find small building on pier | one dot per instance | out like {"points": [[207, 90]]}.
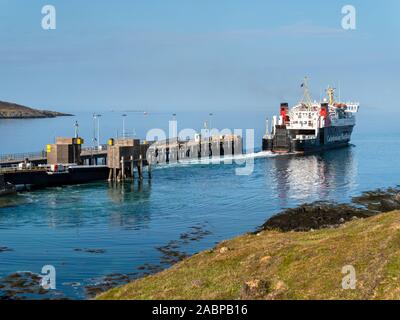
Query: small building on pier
{"points": [[65, 151]]}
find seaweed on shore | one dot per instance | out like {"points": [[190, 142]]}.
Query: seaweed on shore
{"points": [[314, 216], [171, 253], [379, 200], [25, 285], [108, 282], [196, 234], [320, 215]]}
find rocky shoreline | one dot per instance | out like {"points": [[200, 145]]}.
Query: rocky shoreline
{"points": [[297, 254], [320, 215], [15, 111], [302, 220], [276, 244]]}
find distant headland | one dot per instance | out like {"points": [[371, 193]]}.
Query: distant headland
{"points": [[15, 111]]}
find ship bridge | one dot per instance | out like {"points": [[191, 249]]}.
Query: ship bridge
{"points": [[304, 118]]}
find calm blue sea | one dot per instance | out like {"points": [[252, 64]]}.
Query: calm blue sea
{"points": [[128, 223]]}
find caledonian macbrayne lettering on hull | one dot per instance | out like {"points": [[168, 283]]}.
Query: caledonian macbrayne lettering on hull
{"points": [[311, 126]]}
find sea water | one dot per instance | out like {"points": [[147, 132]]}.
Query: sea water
{"points": [[90, 231]]}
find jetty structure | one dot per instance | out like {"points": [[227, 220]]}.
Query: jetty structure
{"points": [[213, 146], [67, 161]]}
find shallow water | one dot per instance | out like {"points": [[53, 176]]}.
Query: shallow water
{"points": [[90, 231]]}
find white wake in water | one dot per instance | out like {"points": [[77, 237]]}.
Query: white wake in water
{"points": [[238, 159]]}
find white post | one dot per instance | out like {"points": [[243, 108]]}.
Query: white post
{"points": [[274, 121], [98, 131]]}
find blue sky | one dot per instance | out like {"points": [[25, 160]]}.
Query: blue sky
{"points": [[193, 55]]}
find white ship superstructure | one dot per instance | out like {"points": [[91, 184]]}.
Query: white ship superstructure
{"points": [[312, 126]]}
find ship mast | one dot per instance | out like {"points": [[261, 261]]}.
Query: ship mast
{"points": [[331, 94], [306, 99]]}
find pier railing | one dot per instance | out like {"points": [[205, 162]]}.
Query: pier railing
{"points": [[22, 156], [13, 159], [100, 148]]}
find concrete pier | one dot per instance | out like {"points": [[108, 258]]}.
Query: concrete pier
{"points": [[174, 150], [67, 162], [123, 155]]}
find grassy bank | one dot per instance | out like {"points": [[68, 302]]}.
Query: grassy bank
{"points": [[292, 265]]}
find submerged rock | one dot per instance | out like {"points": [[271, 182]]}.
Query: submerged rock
{"points": [[171, 254], [196, 233], [95, 251], [25, 285], [108, 282]]}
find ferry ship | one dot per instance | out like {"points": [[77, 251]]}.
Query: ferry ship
{"points": [[311, 126]]}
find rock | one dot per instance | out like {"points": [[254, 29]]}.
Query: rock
{"points": [[387, 205], [380, 200], [278, 290], [72, 284], [25, 285], [197, 283], [95, 251], [107, 282], [313, 216], [265, 259], [253, 284], [171, 254], [254, 289], [223, 250]]}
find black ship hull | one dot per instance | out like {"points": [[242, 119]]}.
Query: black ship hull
{"points": [[327, 138]]}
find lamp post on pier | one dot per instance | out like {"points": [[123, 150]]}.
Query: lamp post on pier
{"points": [[94, 130], [98, 130], [123, 125], [209, 122]]}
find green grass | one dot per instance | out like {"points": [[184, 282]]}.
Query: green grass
{"points": [[304, 265]]}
